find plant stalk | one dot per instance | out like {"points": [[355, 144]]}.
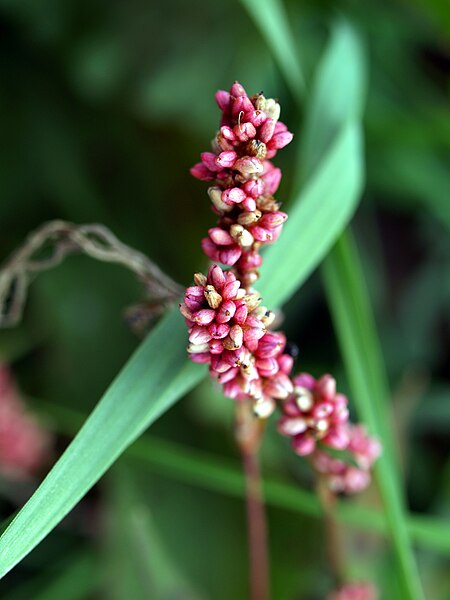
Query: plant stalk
{"points": [[248, 432]]}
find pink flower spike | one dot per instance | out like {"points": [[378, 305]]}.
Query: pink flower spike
{"points": [[220, 236], [200, 171]]}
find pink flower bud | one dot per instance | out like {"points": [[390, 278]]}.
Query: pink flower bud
{"points": [[250, 260], [229, 255], [267, 367], [272, 180], [228, 375], [219, 365], [244, 132], [249, 204], [241, 104], [218, 330], [326, 387], [280, 140], [254, 188], [202, 358], [209, 160], [261, 234], [216, 277], [292, 426], [200, 171], [266, 130], [241, 314], [223, 100], [226, 311], [285, 363], [255, 117], [305, 380], [270, 345], [233, 195], [205, 316], [230, 289], [303, 444], [227, 133], [273, 219], [216, 347], [279, 386], [237, 90], [210, 249], [199, 335], [249, 166], [226, 160], [220, 236], [337, 438]]}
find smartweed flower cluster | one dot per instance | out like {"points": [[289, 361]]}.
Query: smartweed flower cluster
{"points": [[229, 326]]}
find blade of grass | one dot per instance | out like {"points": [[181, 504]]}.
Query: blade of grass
{"points": [[216, 474], [349, 304], [272, 20]]}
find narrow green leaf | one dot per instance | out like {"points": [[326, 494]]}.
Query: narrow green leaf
{"points": [[350, 307], [156, 375], [270, 17], [318, 216], [337, 95]]}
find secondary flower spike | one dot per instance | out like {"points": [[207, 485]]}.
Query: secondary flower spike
{"points": [[244, 180]]}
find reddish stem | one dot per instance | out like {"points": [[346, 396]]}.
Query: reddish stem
{"points": [[248, 436]]}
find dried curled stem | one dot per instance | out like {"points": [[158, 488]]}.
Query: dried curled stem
{"points": [[63, 238]]}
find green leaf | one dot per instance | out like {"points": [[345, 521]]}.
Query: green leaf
{"points": [[155, 377], [272, 20], [337, 96]]}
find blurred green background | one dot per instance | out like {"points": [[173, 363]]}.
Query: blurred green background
{"points": [[103, 109]]}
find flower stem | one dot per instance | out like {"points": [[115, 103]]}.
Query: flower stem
{"points": [[248, 433], [334, 544]]}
